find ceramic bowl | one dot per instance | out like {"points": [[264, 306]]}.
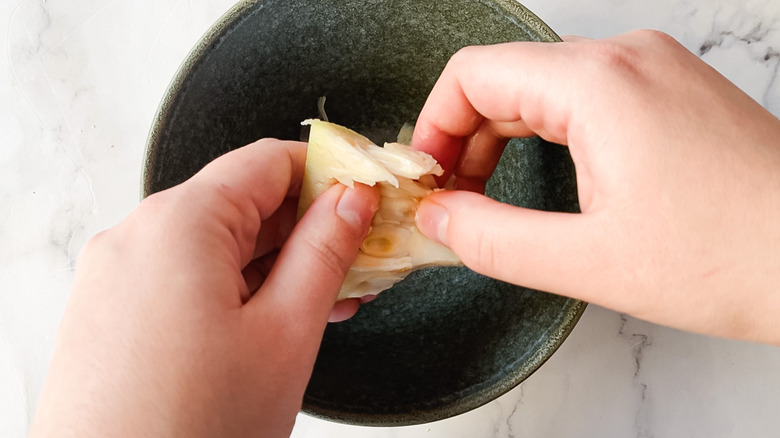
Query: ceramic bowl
{"points": [[445, 340]]}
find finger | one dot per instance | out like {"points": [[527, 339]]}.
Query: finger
{"points": [[554, 252], [275, 230], [244, 187], [315, 259], [516, 92], [256, 272], [344, 309], [367, 298], [479, 157]]}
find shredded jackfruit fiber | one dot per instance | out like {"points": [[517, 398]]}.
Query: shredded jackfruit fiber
{"points": [[394, 247]]}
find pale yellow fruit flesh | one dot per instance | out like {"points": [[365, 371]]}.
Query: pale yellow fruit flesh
{"points": [[394, 247]]}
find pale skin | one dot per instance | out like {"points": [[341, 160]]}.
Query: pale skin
{"points": [[184, 322], [194, 317], [678, 175]]}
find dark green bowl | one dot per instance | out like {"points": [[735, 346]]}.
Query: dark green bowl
{"points": [[445, 340]]}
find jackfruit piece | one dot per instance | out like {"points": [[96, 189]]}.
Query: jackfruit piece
{"points": [[394, 247]]}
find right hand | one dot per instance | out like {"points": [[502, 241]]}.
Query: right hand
{"points": [[678, 175]]}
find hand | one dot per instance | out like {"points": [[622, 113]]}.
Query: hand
{"points": [[187, 320], [678, 176]]}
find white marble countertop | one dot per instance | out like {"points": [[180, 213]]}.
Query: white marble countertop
{"points": [[80, 82]]}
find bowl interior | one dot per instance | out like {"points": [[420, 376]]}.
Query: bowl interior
{"points": [[445, 340]]}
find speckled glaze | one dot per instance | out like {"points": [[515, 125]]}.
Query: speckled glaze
{"points": [[446, 340]]}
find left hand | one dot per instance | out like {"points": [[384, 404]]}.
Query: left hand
{"points": [[201, 314]]}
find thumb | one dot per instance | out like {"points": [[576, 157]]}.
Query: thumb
{"points": [[310, 269], [536, 249]]}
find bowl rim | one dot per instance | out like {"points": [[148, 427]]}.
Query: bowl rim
{"points": [[466, 403], [526, 20], [191, 60]]}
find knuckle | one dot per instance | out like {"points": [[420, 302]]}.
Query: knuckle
{"points": [[487, 253], [628, 55], [327, 255], [482, 251], [153, 206], [154, 214], [463, 56], [97, 243], [615, 58], [100, 248], [654, 37]]}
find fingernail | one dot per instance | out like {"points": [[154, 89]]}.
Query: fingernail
{"points": [[354, 208], [433, 220]]}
